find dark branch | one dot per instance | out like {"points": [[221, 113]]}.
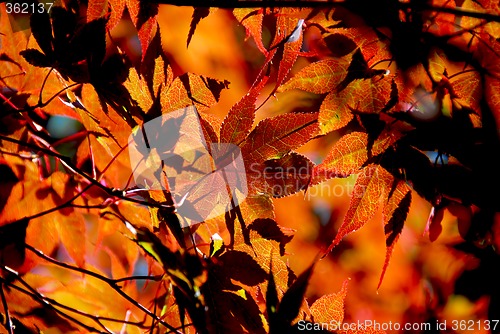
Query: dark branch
{"points": [[305, 4], [249, 3]]}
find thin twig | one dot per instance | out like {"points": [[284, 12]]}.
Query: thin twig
{"points": [[41, 299], [43, 86], [67, 163], [111, 282], [8, 320]]}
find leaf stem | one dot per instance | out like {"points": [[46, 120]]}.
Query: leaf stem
{"points": [[43, 86]]}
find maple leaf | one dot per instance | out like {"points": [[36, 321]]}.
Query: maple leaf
{"points": [[252, 208], [248, 265], [78, 52], [264, 247], [330, 308], [270, 230], [239, 121], [319, 77], [274, 137], [285, 46], [280, 177], [108, 135], [199, 14], [101, 8], [64, 46], [288, 41], [22, 82], [190, 88], [350, 153], [371, 184], [234, 310], [488, 55], [351, 86], [282, 313], [252, 21], [143, 15], [395, 212], [185, 271], [35, 202], [138, 90], [468, 22], [335, 111], [268, 240], [362, 37], [467, 91]]}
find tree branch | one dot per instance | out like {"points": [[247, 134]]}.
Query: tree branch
{"points": [[326, 3]]}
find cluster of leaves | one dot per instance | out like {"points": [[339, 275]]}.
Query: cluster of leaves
{"points": [[406, 80]]}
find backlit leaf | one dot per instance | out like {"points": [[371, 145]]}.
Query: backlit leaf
{"points": [[437, 65], [334, 113], [371, 184], [263, 250], [251, 19], [468, 91], [239, 121], [138, 90], [395, 212], [468, 22], [270, 230], [280, 177], [100, 8], [20, 78], [274, 137], [289, 33], [330, 308], [493, 98], [365, 38], [188, 89], [350, 153], [293, 298], [319, 77], [143, 15], [198, 14]]}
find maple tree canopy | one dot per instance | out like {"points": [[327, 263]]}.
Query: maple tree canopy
{"points": [[156, 174]]}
